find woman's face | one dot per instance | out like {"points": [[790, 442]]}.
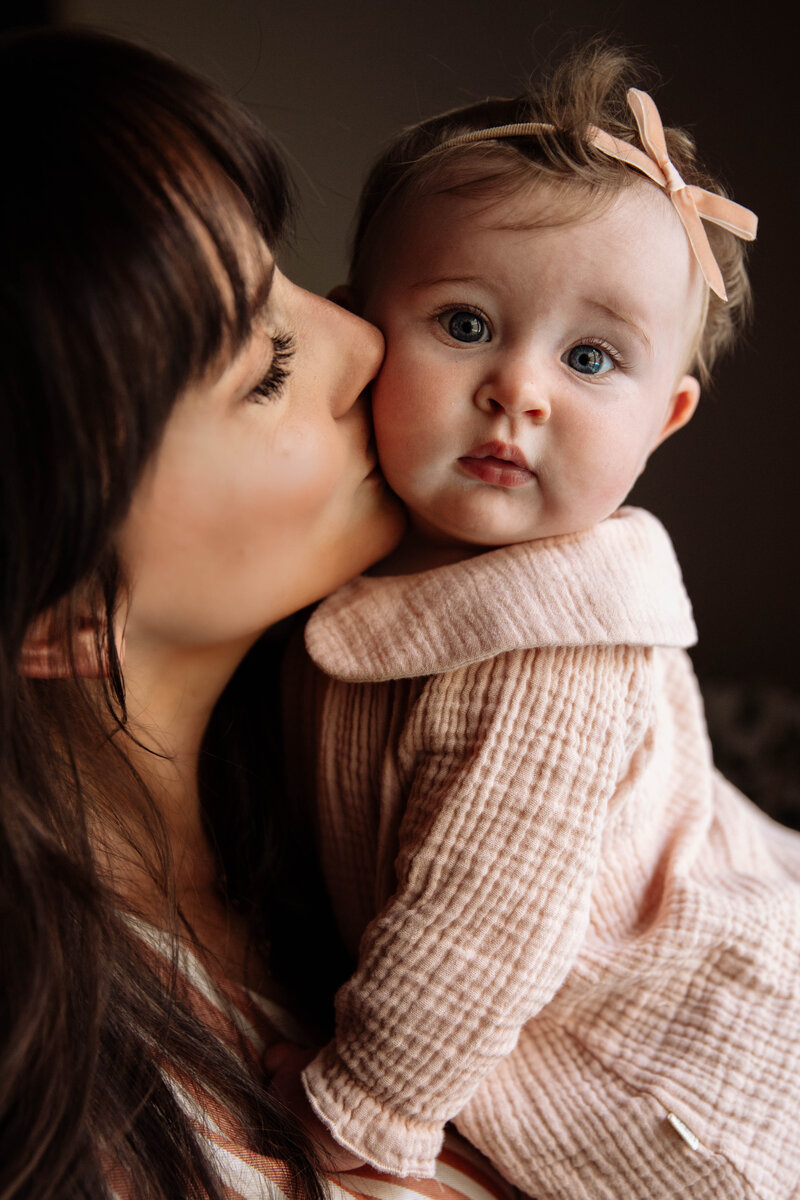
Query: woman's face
{"points": [[263, 495]]}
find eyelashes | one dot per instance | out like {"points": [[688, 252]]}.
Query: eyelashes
{"points": [[616, 360], [269, 388]]}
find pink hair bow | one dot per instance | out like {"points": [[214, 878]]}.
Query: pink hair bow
{"points": [[691, 203]]}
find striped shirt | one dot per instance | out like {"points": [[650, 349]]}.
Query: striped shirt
{"points": [[248, 1023]]}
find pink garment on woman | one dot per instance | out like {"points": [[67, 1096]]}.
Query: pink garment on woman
{"points": [[575, 937]]}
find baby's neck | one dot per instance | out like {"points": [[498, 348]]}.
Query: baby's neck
{"points": [[420, 552]]}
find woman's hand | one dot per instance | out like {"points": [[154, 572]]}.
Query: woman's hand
{"points": [[284, 1062]]}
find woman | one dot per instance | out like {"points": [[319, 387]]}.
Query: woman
{"points": [[185, 461]]}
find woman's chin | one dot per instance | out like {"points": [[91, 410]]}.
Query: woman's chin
{"points": [[367, 541]]}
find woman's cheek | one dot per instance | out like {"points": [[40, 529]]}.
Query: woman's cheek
{"points": [[305, 470]]}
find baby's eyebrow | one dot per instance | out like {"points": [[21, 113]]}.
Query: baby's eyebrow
{"points": [[460, 280], [632, 324]]}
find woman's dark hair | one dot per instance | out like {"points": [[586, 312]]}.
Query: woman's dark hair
{"points": [[127, 183]]}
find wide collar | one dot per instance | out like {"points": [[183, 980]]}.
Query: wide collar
{"points": [[616, 584]]}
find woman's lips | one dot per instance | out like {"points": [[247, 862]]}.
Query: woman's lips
{"points": [[498, 464]]}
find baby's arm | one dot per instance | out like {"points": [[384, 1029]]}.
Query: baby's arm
{"points": [[514, 761]]}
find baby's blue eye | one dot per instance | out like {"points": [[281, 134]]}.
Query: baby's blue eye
{"points": [[587, 359], [466, 326]]}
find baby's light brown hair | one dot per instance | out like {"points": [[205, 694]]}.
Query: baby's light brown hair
{"points": [[587, 88]]}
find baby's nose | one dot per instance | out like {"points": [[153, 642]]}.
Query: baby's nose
{"points": [[515, 398]]}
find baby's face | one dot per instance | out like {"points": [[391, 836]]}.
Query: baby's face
{"points": [[529, 370]]}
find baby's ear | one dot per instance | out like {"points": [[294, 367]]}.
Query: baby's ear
{"points": [[682, 407], [346, 297]]}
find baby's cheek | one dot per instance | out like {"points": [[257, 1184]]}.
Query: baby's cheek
{"points": [[414, 427], [402, 462], [400, 465], [608, 489], [394, 420]]}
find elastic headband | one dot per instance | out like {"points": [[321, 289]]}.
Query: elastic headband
{"points": [[692, 204]]}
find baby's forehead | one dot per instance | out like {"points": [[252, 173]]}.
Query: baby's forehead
{"points": [[631, 224], [540, 203]]}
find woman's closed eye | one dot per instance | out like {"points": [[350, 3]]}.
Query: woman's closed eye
{"points": [[465, 325], [592, 358], [270, 387]]}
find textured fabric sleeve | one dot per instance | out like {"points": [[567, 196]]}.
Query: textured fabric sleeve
{"points": [[509, 766]]}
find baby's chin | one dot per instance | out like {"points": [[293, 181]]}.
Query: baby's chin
{"points": [[471, 535]]}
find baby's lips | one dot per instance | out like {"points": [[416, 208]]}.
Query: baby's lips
{"points": [[504, 451]]}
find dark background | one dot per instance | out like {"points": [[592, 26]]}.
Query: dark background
{"points": [[333, 80]]}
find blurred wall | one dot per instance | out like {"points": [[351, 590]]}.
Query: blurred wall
{"points": [[333, 80]]}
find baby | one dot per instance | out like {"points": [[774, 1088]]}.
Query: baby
{"points": [[575, 939]]}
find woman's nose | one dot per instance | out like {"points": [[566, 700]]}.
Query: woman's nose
{"points": [[355, 353], [514, 396]]}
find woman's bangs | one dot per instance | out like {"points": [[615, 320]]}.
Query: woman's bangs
{"points": [[202, 258]]}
